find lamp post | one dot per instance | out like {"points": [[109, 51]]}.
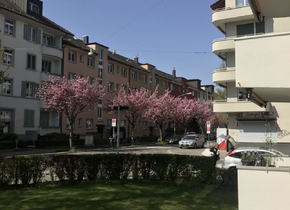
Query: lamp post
{"points": [[174, 128]]}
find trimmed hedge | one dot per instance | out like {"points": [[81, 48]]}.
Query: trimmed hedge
{"points": [[26, 170], [54, 143]]}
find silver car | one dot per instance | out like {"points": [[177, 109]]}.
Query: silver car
{"points": [[192, 141]]}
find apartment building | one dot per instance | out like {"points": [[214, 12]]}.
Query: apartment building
{"points": [[255, 50], [33, 50]]}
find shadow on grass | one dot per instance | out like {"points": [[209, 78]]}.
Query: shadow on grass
{"points": [[125, 194]]}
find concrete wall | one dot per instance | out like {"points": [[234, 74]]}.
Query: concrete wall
{"points": [[263, 188]]}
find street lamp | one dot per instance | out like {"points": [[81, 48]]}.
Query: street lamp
{"points": [[189, 93]]}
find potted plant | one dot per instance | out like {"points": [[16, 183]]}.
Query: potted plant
{"points": [[249, 158]]}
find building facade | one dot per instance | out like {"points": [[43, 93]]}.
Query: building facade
{"points": [[255, 50], [33, 48]]}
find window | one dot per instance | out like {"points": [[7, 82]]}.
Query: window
{"points": [[144, 125], [172, 86], [72, 56], [156, 126], [7, 57], [145, 78], [164, 85], [111, 86], [134, 75], [111, 68], [46, 66], [68, 124], [33, 8], [80, 122], [156, 82], [5, 87], [117, 87], [100, 114], [49, 119], [5, 115], [198, 94], [28, 89], [28, 118], [125, 88], [165, 125], [32, 34], [124, 72], [242, 95], [180, 89], [91, 62], [91, 80], [193, 93], [123, 123], [242, 3], [71, 76], [31, 62], [89, 124], [140, 76], [81, 58], [109, 124], [9, 27], [48, 40], [203, 95], [100, 54], [251, 29]]}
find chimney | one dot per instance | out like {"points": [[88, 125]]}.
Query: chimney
{"points": [[136, 59], [86, 39], [114, 52], [174, 72]]}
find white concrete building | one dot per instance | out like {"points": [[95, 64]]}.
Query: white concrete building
{"points": [[33, 48], [255, 48]]}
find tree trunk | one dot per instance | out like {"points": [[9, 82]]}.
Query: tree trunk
{"points": [[70, 135], [160, 132]]}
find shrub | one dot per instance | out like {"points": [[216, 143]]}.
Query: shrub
{"points": [[10, 137], [7, 144]]}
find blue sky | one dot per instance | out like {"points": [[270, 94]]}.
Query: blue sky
{"points": [[165, 33]]}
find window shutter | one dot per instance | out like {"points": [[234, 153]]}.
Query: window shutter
{"points": [[29, 118], [25, 32], [38, 36], [23, 89]]}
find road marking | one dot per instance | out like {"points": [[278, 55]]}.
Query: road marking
{"points": [[160, 147]]}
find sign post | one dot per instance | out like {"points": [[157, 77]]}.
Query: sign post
{"points": [[119, 108], [208, 129]]}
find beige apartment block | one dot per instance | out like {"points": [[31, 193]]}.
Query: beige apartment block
{"points": [[255, 49]]}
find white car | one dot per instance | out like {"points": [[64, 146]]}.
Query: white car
{"points": [[192, 141], [234, 157]]}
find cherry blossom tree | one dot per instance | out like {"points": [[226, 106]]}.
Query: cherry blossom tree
{"points": [[160, 110], [186, 110], [136, 100], [3, 74], [70, 97]]}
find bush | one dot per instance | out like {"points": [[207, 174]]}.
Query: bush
{"points": [[10, 137], [29, 169], [7, 144]]}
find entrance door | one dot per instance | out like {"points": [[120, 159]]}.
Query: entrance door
{"points": [[255, 132]]}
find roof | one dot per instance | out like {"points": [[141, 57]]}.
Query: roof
{"points": [[125, 61], [12, 7], [77, 43]]}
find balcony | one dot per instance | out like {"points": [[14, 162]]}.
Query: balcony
{"points": [[224, 75], [272, 9], [225, 15], [262, 63], [52, 51], [238, 106], [223, 45]]}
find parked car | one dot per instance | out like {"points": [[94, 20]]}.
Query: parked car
{"points": [[212, 136], [192, 141], [234, 157], [174, 139]]}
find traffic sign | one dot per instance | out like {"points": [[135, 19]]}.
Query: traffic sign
{"points": [[114, 122], [207, 123]]}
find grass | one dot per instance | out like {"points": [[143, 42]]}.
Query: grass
{"points": [[130, 194]]}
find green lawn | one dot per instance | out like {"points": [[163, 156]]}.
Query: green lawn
{"points": [[118, 195]]}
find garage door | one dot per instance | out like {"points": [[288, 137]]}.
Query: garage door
{"points": [[250, 131]]}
